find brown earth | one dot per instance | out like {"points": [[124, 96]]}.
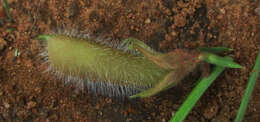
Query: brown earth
{"points": [[27, 94]]}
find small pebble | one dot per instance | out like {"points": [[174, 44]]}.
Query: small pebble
{"points": [[223, 11], [31, 104], [2, 44], [163, 120], [173, 33], [168, 37], [257, 11], [108, 100], [6, 105], [147, 21]]}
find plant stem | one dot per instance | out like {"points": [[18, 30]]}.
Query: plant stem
{"points": [[249, 90], [7, 9], [197, 92]]}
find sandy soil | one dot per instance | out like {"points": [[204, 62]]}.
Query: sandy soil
{"points": [[27, 94]]}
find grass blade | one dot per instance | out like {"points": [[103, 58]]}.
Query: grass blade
{"points": [[249, 90], [214, 49], [197, 92], [220, 61], [7, 9]]}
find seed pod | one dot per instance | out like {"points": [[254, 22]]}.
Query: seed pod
{"points": [[101, 68]]}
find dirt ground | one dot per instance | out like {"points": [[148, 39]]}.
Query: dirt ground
{"points": [[28, 94]]}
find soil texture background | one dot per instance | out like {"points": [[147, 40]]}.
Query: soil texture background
{"points": [[28, 94]]}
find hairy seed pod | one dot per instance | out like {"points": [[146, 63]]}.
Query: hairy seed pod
{"points": [[101, 68]]}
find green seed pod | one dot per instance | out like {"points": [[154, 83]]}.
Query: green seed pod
{"points": [[101, 68]]}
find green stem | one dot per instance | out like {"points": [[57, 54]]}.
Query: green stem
{"points": [[214, 49], [249, 90], [220, 61], [197, 92], [7, 9]]}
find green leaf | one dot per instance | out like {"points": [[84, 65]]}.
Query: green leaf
{"points": [[249, 90], [7, 9], [214, 49], [10, 30], [16, 52], [220, 61], [196, 93]]}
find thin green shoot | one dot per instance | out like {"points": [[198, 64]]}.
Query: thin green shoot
{"points": [[7, 9], [214, 49], [9, 30], [197, 92], [249, 90], [220, 61], [16, 52]]}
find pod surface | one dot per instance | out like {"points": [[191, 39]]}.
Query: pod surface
{"points": [[95, 62]]}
